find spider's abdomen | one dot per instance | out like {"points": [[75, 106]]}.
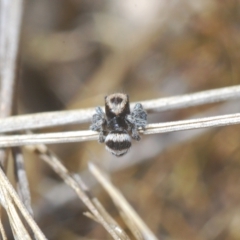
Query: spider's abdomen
{"points": [[118, 142]]}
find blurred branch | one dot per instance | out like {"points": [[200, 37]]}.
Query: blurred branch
{"points": [[50, 119], [10, 26], [81, 190], [21, 178], [6, 186], [2, 231], [122, 204], [80, 136], [18, 228], [110, 220], [10, 22]]}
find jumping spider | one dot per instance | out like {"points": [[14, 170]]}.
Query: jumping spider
{"points": [[119, 124]]}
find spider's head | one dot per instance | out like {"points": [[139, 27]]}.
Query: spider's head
{"points": [[117, 104]]}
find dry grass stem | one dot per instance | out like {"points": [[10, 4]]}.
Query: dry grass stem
{"points": [[16, 224], [131, 225], [21, 179], [47, 138], [122, 234], [218, 121], [10, 22], [192, 99], [121, 202], [2, 231], [50, 119], [80, 136], [15, 198], [77, 185], [89, 215]]}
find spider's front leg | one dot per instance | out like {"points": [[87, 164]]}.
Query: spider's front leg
{"points": [[137, 119], [99, 123]]}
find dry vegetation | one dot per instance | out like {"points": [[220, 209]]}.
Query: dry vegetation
{"points": [[183, 185]]}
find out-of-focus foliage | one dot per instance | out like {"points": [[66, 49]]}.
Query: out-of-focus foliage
{"points": [[185, 186]]}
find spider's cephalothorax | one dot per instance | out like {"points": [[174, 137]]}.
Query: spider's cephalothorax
{"points": [[119, 124]]}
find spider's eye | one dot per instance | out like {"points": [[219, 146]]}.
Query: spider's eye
{"points": [[116, 100]]}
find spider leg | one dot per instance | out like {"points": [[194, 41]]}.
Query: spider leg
{"points": [[135, 120], [98, 124], [139, 115], [135, 135], [101, 137], [132, 128]]}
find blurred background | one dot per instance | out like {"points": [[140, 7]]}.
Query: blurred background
{"points": [[184, 185]]}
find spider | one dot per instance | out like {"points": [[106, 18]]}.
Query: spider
{"points": [[119, 124]]}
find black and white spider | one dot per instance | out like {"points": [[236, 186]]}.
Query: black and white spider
{"points": [[119, 124]]}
